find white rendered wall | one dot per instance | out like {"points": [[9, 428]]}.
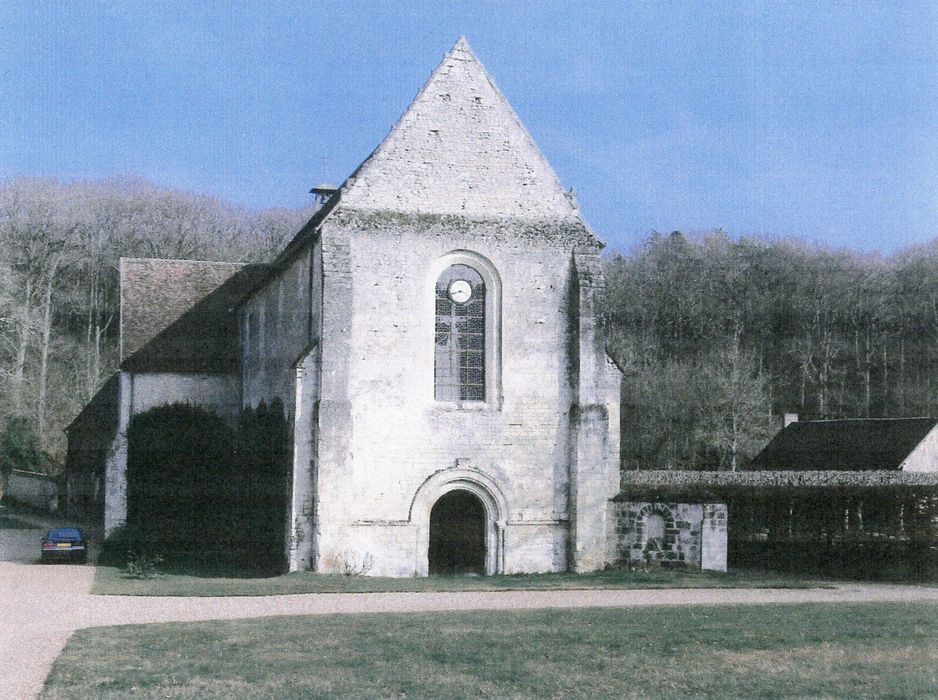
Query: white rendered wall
{"points": [[214, 392], [142, 391], [924, 458], [115, 464], [275, 329], [713, 548]]}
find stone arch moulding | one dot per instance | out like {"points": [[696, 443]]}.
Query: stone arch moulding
{"points": [[656, 508], [493, 321], [482, 487]]}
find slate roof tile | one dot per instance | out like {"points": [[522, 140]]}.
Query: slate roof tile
{"points": [[843, 445]]}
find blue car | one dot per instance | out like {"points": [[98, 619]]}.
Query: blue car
{"points": [[66, 543]]}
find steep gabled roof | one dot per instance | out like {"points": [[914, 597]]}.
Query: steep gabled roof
{"points": [[176, 315], [155, 292], [459, 149], [843, 445]]}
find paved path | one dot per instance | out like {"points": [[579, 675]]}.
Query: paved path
{"points": [[40, 606]]}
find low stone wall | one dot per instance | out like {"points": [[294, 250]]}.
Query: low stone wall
{"points": [[33, 489], [692, 535]]}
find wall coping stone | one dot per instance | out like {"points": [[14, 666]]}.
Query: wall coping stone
{"points": [[776, 478]]}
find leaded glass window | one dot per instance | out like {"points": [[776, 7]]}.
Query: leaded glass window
{"points": [[459, 362]]}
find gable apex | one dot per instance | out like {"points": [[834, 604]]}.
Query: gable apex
{"points": [[459, 149]]}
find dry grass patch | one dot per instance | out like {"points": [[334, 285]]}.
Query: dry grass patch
{"points": [[816, 662]]}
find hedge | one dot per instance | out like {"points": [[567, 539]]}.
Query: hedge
{"points": [[871, 525], [200, 492]]}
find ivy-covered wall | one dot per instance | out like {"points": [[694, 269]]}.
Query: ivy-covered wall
{"points": [[203, 493]]}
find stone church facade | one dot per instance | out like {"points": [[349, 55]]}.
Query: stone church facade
{"points": [[433, 335]]}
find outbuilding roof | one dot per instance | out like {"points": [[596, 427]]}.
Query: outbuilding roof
{"points": [[176, 315], [101, 412], [864, 444]]}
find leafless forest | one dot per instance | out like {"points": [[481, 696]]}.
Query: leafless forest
{"points": [[59, 248], [717, 337]]}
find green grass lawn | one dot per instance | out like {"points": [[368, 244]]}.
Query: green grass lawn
{"points": [[813, 650], [110, 581]]}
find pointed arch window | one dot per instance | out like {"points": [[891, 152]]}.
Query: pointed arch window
{"points": [[460, 329]]}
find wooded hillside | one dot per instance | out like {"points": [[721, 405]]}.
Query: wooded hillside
{"points": [[59, 249], [717, 337]]}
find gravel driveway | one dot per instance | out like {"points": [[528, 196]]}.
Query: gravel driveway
{"points": [[40, 606]]}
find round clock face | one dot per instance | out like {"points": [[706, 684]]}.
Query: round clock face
{"points": [[460, 291]]}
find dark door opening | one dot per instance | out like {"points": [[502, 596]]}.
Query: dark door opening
{"points": [[457, 535]]}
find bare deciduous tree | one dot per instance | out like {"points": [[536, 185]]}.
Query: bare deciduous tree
{"points": [[59, 251]]}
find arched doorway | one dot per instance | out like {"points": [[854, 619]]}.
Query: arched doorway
{"points": [[457, 534], [478, 485]]}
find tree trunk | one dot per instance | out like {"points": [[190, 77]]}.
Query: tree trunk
{"points": [[902, 376], [804, 382], [866, 376], [44, 348], [856, 355], [22, 347], [89, 327], [96, 370], [885, 380], [734, 445]]}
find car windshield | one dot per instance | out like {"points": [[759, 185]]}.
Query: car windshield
{"points": [[64, 533]]}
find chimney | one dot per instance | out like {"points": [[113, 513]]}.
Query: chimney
{"points": [[322, 192], [789, 419]]}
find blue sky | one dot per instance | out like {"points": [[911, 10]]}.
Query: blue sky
{"points": [[817, 121]]}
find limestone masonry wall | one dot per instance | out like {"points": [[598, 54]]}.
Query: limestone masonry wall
{"points": [[400, 436], [460, 149], [34, 489]]}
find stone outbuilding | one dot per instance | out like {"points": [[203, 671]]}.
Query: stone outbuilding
{"points": [[433, 333]]}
